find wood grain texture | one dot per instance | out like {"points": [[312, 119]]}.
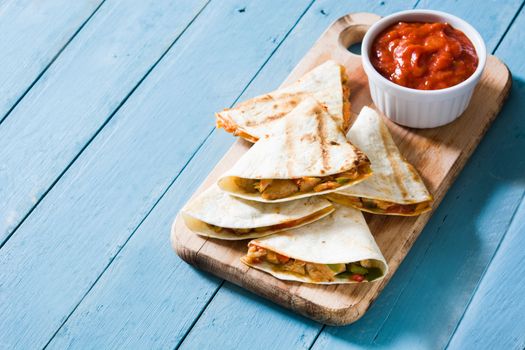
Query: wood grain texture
{"points": [[33, 33], [438, 154], [77, 94], [60, 251]]}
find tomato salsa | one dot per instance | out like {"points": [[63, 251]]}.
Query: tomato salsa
{"points": [[424, 56]]}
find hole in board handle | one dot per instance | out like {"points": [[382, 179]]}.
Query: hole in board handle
{"points": [[350, 38], [355, 48]]}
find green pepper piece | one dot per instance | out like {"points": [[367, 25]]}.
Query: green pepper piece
{"points": [[343, 180], [344, 275], [358, 269], [337, 268]]}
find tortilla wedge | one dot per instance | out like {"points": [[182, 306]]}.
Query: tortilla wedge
{"points": [[216, 214], [395, 188], [256, 118], [330, 251], [308, 156]]}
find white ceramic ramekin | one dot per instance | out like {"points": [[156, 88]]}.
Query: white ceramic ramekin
{"points": [[421, 108]]}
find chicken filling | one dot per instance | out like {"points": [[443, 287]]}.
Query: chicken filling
{"points": [[357, 271], [277, 227], [379, 206], [281, 188]]}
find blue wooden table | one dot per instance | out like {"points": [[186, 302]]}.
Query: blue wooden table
{"points": [[106, 111]]}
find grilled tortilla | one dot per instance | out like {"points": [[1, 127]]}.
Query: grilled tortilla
{"points": [[309, 155], [216, 214], [395, 188], [256, 118], [336, 249]]}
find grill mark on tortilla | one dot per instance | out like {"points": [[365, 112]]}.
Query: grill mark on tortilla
{"points": [[323, 142], [398, 176], [268, 119], [291, 100]]}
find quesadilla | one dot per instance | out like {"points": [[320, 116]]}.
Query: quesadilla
{"points": [[309, 155], [336, 249], [395, 188], [216, 214], [256, 118]]}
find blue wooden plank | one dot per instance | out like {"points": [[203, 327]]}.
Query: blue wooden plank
{"points": [[59, 252], [494, 318], [425, 300], [33, 33], [77, 94], [168, 294]]}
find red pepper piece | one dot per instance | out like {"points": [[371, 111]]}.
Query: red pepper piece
{"points": [[357, 277]]}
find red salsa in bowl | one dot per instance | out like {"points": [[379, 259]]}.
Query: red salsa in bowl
{"points": [[424, 56]]}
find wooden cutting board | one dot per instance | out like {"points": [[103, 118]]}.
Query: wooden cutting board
{"points": [[439, 154]]}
